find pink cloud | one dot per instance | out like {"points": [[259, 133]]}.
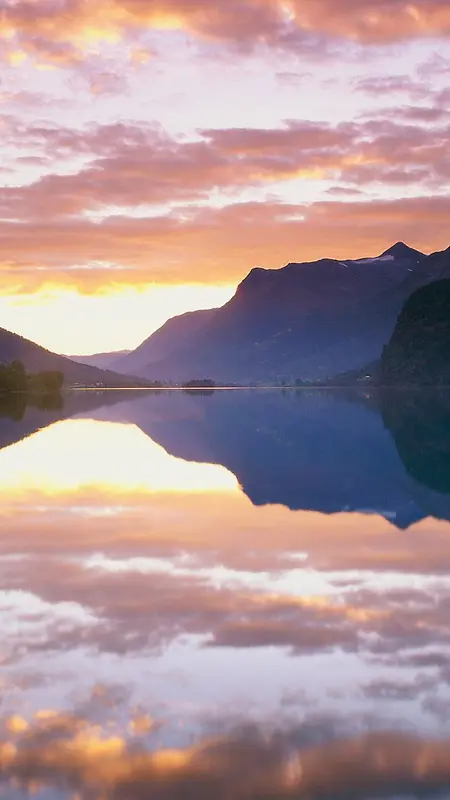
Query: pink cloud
{"points": [[138, 165], [61, 33], [132, 166]]}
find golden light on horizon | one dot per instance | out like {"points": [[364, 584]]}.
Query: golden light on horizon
{"points": [[67, 321]]}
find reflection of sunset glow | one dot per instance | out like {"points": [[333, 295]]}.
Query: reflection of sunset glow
{"points": [[83, 757], [145, 601], [86, 453]]}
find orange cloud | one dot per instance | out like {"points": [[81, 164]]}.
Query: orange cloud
{"points": [[375, 21], [62, 33], [51, 237], [196, 243]]}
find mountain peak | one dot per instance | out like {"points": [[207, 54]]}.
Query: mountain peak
{"points": [[251, 279], [401, 250]]}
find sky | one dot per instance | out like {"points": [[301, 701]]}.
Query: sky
{"points": [[152, 152]]}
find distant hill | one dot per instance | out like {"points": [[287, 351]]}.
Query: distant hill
{"points": [[37, 358], [100, 360], [419, 349], [307, 320]]}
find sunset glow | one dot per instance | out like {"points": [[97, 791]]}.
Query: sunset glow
{"points": [[113, 319], [153, 153]]}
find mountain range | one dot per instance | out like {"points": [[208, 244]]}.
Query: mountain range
{"points": [[100, 360], [306, 320], [418, 351]]}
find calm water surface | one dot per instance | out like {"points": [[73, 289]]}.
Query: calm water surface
{"points": [[228, 595]]}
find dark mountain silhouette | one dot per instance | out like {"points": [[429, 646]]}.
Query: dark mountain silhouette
{"points": [[419, 349], [37, 359], [401, 250], [100, 360], [306, 320], [434, 267], [312, 450], [165, 342]]}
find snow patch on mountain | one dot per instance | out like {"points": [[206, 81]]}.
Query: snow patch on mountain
{"points": [[374, 260]]}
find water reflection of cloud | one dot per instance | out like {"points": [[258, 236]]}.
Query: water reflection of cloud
{"points": [[180, 618], [249, 764], [194, 608]]}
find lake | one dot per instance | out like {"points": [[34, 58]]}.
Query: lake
{"points": [[224, 595]]}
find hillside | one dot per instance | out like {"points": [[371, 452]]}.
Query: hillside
{"points": [[36, 359], [165, 343], [307, 320], [100, 360], [419, 349]]}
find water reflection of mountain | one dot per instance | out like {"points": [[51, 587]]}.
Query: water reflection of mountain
{"points": [[323, 451], [420, 426], [310, 450]]}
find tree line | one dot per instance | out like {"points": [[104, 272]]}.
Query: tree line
{"points": [[15, 378]]}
